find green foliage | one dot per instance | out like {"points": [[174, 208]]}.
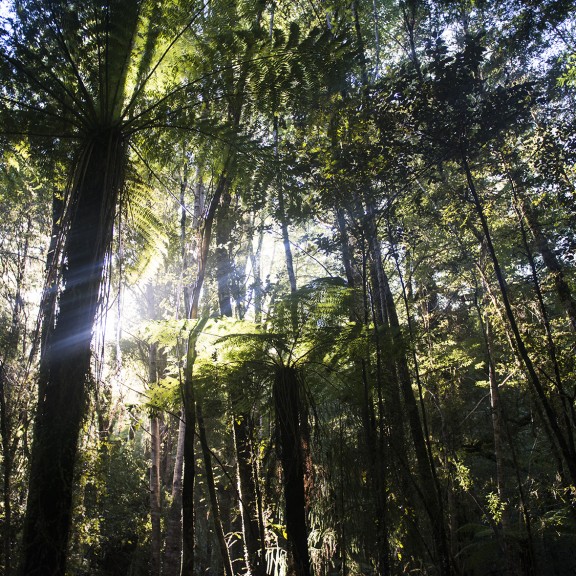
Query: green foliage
{"points": [[112, 537], [375, 106]]}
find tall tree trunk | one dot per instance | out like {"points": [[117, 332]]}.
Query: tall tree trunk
{"points": [[254, 549], [189, 476], [282, 213], [224, 265], [554, 449], [498, 426], [7, 464], [253, 546], [566, 402], [188, 422], [255, 260], [12, 349], [212, 492], [430, 487], [173, 542], [377, 472], [551, 261], [155, 498], [398, 374], [287, 400], [155, 503], [551, 417], [64, 393]]}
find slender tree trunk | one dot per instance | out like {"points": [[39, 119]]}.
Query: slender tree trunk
{"points": [[6, 438], [212, 492], [555, 451], [398, 374], [430, 487], [155, 504], [255, 260], [345, 247], [497, 427], [173, 543], [552, 263], [64, 394], [254, 549], [498, 434], [155, 499], [224, 266], [551, 416], [282, 214], [205, 237], [500, 428], [13, 347], [566, 402], [189, 409], [378, 474], [189, 476]]}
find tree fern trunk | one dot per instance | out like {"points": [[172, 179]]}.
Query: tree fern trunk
{"points": [[62, 405], [287, 407]]}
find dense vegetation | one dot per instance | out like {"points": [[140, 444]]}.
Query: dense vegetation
{"points": [[288, 288]]}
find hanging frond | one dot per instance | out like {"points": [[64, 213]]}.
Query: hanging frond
{"points": [[145, 229]]}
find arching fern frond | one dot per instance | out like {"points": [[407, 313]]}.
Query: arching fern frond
{"points": [[147, 234]]}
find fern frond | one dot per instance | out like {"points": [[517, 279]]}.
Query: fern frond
{"points": [[147, 232]]}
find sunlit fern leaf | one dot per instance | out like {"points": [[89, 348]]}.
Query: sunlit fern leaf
{"points": [[146, 227]]}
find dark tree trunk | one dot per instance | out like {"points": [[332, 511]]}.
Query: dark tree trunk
{"points": [[429, 486], [64, 393], [398, 392], [287, 406], [188, 536], [189, 476], [210, 483], [251, 530], [189, 409]]}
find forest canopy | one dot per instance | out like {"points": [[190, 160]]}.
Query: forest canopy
{"points": [[288, 288]]}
